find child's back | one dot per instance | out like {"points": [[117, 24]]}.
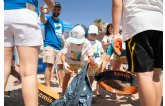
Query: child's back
{"points": [[141, 15]]}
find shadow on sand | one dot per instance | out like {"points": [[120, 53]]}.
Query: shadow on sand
{"points": [[15, 99]]}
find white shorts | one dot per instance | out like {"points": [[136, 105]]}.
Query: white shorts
{"points": [[22, 28]]}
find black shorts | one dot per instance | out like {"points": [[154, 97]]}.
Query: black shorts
{"points": [[145, 51]]}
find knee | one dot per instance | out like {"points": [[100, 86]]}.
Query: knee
{"points": [[28, 71]]}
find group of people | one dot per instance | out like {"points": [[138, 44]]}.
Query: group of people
{"points": [[140, 41], [70, 53]]}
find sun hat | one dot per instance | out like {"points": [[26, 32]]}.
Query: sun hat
{"points": [[93, 29], [77, 34]]}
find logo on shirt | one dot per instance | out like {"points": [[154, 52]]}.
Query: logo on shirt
{"points": [[75, 56], [95, 49], [58, 29]]}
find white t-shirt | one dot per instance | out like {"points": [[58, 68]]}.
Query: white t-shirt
{"points": [[107, 39], [97, 49], [141, 15], [75, 54]]}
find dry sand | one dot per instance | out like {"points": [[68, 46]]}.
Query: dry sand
{"points": [[122, 100]]}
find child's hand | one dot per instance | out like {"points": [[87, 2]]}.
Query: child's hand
{"points": [[67, 67], [117, 44], [91, 61]]}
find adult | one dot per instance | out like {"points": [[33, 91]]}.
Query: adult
{"points": [[22, 29], [53, 42]]}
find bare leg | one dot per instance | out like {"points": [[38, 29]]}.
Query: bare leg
{"points": [[8, 55], [28, 70], [146, 88], [91, 79], [48, 74], [52, 72], [60, 74], [65, 83], [116, 65], [157, 80], [97, 89], [16, 74]]}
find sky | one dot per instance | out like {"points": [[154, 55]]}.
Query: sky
{"points": [[84, 11]]}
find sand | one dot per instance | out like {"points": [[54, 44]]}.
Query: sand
{"points": [[106, 100]]}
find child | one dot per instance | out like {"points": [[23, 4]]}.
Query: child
{"points": [[117, 60], [97, 56], [143, 33], [75, 48], [107, 39]]}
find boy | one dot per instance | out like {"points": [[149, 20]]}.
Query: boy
{"points": [[75, 48], [143, 33], [97, 56]]}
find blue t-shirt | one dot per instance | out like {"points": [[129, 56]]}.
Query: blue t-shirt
{"points": [[18, 4], [53, 33], [110, 50]]}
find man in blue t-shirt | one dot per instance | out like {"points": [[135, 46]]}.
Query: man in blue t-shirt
{"points": [[53, 42], [22, 29]]}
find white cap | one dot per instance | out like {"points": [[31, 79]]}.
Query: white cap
{"points": [[93, 29], [77, 35]]}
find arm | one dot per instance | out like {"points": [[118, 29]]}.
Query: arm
{"points": [[42, 16], [64, 51], [116, 15], [50, 4], [104, 41], [66, 65], [107, 58], [63, 58], [104, 63], [101, 52], [63, 38]]}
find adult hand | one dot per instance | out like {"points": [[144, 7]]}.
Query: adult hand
{"points": [[44, 9]]}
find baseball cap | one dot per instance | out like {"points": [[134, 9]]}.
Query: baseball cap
{"points": [[93, 29], [77, 34], [57, 4]]}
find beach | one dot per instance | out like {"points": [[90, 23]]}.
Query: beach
{"points": [[106, 100]]}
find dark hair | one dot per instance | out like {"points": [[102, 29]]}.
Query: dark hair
{"points": [[107, 31]]}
